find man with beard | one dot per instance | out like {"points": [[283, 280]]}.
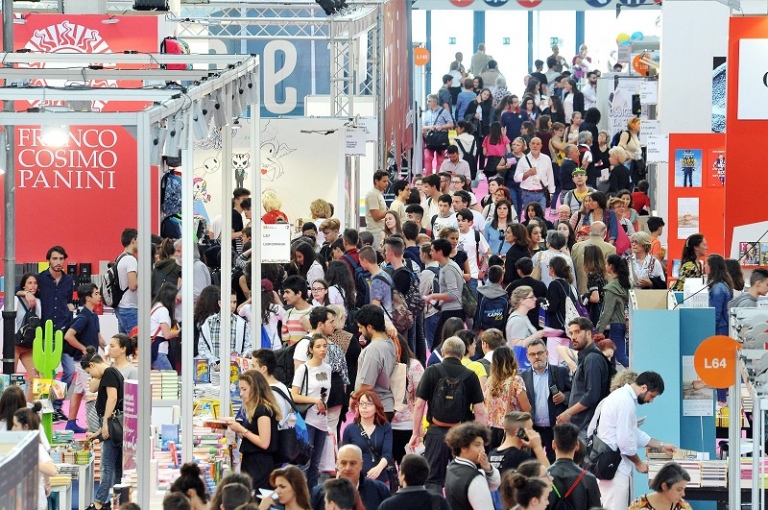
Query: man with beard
{"points": [[616, 426], [376, 361]]}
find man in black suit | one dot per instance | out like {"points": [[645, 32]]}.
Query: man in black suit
{"points": [[541, 381]]}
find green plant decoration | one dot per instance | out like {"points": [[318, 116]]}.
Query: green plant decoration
{"points": [[46, 354]]}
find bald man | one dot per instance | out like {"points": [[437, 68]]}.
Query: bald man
{"points": [[535, 175], [596, 238], [372, 492]]}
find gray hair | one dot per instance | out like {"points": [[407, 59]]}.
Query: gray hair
{"points": [[670, 474], [570, 148], [501, 81], [619, 153], [643, 239], [555, 239], [597, 228], [195, 249], [585, 137], [454, 347], [433, 97]]}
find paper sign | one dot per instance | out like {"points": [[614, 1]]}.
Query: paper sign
{"points": [[649, 92], [276, 243], [698, 397], [649, 128], [354, 142], [687, 217], [371, 126], [658, 148], [625, 53]]}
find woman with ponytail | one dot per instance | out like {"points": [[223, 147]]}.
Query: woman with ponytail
{"points": [[27, 419]]}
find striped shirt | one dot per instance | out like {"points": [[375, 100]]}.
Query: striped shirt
{"points": [[292, 329]]}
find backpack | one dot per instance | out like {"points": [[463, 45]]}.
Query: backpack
{"points": [[170, 227], [468, 301], [562, 502], [25, 336], [175, 46], [436, 281], [573, 307], [216, 276], [110, 290], [492, 313], [362, 282], [284, 370], [401, 316], [467, 156], [449, 401], [159, 278], [413, 296], [170, 193], [617, 137]]}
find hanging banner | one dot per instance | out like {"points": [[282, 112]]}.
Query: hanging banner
{"points": [[130, 423], [539, 5], [698, 397], [621, 103]]}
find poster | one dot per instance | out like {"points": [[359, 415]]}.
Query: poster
{"points": [[749, 253], [687, 217], [688, 168], [621, 104], [276, 243], [698, 398], [716, 169], [130, 423]]}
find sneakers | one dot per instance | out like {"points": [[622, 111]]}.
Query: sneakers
{"points": [[74, 427], [59, 417]]}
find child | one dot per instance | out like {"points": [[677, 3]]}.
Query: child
{"points": [[474, 245], [464, 482], [640, 201], [445, 217], [493, 302], [656, 226]]}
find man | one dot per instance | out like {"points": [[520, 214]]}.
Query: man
{"points": [[445, 183], [551, 74], [520, 442], [524, 268], [238, 196], [548, 388], [435, 118], [127, 311], [466, 486], [489, 75], [340, 494], [590, 90], [560, 61], [330, 229], [591, 379], [350, 459], [381, 282], [375, 206], [492, 303], [209, 345], [540, 76], [444, 94], [461, 200], [616, 426], [401, 278], [459, 57], [490, 340], [454, 165], [534, 173], [656, 228], [377, 360], [479, 62], [565, 472], [402, 192], [415, 213], [597, 238], [351, 256], [432, 189], [445, 216], [309, 231], [575, 196], [233, 495], [410, 233], [473, 243], [442, 413], [512, 119], [563, 213], [413, 495], [451, 283], [55, 289], [322, 320], [295, 295], [83, 333], [758, 286]]}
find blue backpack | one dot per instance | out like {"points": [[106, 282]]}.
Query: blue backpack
{"points": [[362, 282], [492, 313], [266, 342]]}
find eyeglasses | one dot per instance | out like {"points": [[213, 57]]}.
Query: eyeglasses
{"points": [[537, 354], [366, 404], [318, 289]]}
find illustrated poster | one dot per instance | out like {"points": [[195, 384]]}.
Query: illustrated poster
{"points": [[698, 398]]}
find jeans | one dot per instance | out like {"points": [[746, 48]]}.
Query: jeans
{"points": [[529, 197], [312, 468], [472, 284], [616, 332], [110, 457], [555, 197], [127, 319], [688, 177], [411, 339], [162, 362], [420, 340], [68, 372], [517, 198], [430, 326]]}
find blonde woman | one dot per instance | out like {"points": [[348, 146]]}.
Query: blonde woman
{"points": [[645, 271], [504, 392], [619, 173], [630, 142], [520, 332], [271, 203], [321, 211]]}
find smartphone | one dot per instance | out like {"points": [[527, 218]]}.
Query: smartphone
{"points": [[553, 390], [522, 435]]}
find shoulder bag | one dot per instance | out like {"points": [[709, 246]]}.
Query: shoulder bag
{"points": [[394, 481], [602, 460], [291, 449], [303, 390], [115, 422], [437, 140], [544, 187]]}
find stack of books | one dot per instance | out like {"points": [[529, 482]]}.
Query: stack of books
{"points": [[746, 473], [60, 481], [170, 384], [156, 382], [63, 436], [714, 473]]}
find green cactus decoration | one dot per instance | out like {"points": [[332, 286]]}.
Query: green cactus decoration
{"points": [[46, 354]]}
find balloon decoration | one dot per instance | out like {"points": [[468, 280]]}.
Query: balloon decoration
{"points": [[622, 37], [638, 36], [420, 56]]}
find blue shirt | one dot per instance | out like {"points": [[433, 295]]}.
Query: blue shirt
{"points": [[462, 101], [381, 439], [719, 296], [496, 240], [513, 122], [541, 394], [55, 298], [439, 117], [86, 327]]}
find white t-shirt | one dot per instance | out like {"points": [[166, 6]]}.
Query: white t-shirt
{"points": [[318, 386], [442, 222], [285, 407], [301, 352], [336, 295], [542, 260], [128, 264], [158, 316], [468, 244], [478, 221], [276, 314]]}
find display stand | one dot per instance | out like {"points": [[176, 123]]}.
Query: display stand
{"points": [[18, 469], [83, 475]]}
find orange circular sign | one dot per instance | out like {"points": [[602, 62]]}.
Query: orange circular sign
{"points": [[715, 361], [420, 56], [639, 66]]}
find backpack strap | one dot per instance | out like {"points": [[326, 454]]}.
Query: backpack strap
{"points": [[24, 304], [583, 472], [477, 248], [352, 262]]}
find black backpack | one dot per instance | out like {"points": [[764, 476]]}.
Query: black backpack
{"points": [[285, 369], [25, 336], [111, 292], [467, 155], [563, 502], [617, 137], [450, 399]]}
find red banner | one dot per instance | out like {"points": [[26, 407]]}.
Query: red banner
{"points": [[79, 194], [397, 76]]}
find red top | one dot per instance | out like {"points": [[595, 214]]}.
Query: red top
{"points": [[271, 217], [640, 201]]}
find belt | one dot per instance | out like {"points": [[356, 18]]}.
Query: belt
{"points": [[533, 190]]}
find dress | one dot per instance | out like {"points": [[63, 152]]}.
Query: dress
{"points": [[643, 503], [505, 403], [258, 462], [687, 270]]}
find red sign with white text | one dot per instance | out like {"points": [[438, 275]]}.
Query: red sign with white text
{"points": [[80, 192], [397, 78]]}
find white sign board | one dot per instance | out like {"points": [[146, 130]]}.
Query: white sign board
{"points": [[354, 141], [649, 128], [657, 150], [371, 126], [276, 243], [625, 53], [753, 80], [649, 92]]}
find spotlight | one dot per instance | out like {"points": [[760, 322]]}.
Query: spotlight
{"points": [[157, 143], [54, 135], [200, 122], [183, 129], [232, 93], [222, 109], [250, 89], [171, 148]]}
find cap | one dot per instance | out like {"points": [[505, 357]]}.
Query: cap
{"points": [[583, 230], [578, 171], [267, 285]]}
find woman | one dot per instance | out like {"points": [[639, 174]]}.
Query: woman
{"points": [[495, 229], [306, 264], [645, 271], [190, 483], [500, 91], [519, 147], [668, 490], [372, 433], [271, 203], [458, 256], [527, 132], [519, 330], [572, 129], [555, 110], [257, 426], [495, 146], [737, 276], [477, 85], [565, 228], [493, 184], [596, 210], [600, 157], [720, 290], [436, 122], [25, 301], [120, 347], [109, 402], [311, 384], [530, 109], [560, 289], [242, 478], [534, 210], [163, 325], [629, 140], [543, 131], [504, 392], [467, 143], [392, 224], [533, 89], [272, 313], [619, 173], [594, 266], [319, 291], [26, 419], [616, 205], [614, 318], [573, 100], [536, 237], [520, 246], [351, 349], [690, 263], [402, 423], [341, 285], [320, 211], [339, 383], [452, 326], [291, 490], [479, 113], [529, 493], [12, 400], [629, 211]]}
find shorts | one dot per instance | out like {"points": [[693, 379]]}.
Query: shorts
{"points": [[80, 381]]}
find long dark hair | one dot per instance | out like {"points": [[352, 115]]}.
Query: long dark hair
{"points": [[689, 249], [737, 276], [495, 135], [621, 269], [166, 296], [562, 269], [530, 90], [557, 104], [13, 399], [267, 300], [718, 272], [296, 480], [309, 257], [495, 221], [338, 274], [450, 328], [207, 304], [571, 233], [522, 238]]}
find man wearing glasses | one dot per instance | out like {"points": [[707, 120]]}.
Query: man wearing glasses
{"points": [[548, 388]]}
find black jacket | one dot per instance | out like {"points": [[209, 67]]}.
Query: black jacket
{"points": [[514, 253], [372, 494], [556, 374], [585, 495], [619, 178], [415, 498]]}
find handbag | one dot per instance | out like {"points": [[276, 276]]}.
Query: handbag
{"points": [[394, 481], [302, 408], [602, 460], [291, 449], [437, 140], [573, 308], [115, 427]]}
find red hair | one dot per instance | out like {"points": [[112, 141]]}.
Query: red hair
{"points": [[379, 418], [605, 344]]}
